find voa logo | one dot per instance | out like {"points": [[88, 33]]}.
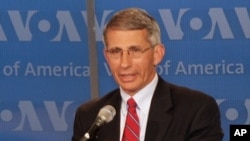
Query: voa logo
{"points": [[206, 24], [45, 26], [55, 116], [235, 111], [37, 116], [179, 24]]}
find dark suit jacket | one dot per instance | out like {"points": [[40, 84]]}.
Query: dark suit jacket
{"points": [[176, 114]]}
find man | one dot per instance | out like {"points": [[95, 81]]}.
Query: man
{"points": [[164, 112]]}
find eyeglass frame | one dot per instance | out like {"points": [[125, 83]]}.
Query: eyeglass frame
{"points": [[129, 50]]}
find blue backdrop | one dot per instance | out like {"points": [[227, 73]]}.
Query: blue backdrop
{"points": [[44, 62]]}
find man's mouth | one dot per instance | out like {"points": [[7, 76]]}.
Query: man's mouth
{"points": [[127, 77]]}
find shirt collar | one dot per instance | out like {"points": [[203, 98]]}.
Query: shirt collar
{"points": [[142, 97]]}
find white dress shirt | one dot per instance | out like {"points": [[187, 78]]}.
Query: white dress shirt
{"points": [[143, 99]]}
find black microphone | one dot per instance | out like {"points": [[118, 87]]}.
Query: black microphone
{"points": [[105, 115]]}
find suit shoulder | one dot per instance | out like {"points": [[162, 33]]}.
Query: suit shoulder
{"points": [[188, 95], [97, 103], [191, 100]]}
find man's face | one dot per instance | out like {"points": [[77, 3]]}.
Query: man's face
{"points": [[130, 72]]}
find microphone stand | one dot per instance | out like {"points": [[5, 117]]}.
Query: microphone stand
{"points": [[89, 135]]}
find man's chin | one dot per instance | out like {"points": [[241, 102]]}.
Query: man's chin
{"points": [[130, 89]]}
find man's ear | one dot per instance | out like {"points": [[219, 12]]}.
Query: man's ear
{"points": [[159, 53]]}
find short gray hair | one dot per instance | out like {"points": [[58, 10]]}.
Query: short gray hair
{"points": [[134, 19]]}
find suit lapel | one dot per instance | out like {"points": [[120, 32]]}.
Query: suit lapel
{"points": [[158, 120], [159, 115]]}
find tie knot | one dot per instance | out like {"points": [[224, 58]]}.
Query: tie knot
{"points": [[131, 103]]}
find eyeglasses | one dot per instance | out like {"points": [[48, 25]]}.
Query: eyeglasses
{"points": [[134, 52]]}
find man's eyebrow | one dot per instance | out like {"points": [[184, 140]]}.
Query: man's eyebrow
{"points": [[117, 47], [134, 46], [114, 47]]}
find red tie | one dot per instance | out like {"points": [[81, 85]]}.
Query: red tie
{"points": [[132, 127]]}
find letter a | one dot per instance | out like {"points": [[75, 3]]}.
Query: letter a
{"points": [[237, 132]]}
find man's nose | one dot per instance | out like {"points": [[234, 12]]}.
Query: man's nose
{"points": [[125, 59]]}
